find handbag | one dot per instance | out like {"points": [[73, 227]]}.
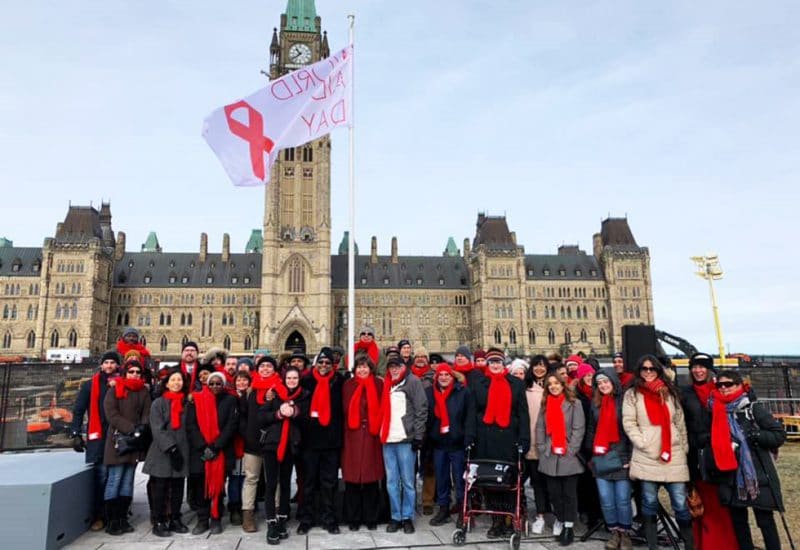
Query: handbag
{"points": [[694, 502], [606, 464], [135, 442]]}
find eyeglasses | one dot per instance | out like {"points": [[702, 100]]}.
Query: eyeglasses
{"points": [[215, 383], [323, 362], [726, 384], [134, 371], [495, 361]]}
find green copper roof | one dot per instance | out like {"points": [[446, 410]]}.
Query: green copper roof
{"points": [[151, 244], [5, 243], [301, 16], [343, 244], [255, 243], [450, 249]]}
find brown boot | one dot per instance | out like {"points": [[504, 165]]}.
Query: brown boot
{"points": [[248, 521]]}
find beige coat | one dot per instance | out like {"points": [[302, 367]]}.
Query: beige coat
{"points": [[646, 440], [534, 396]]}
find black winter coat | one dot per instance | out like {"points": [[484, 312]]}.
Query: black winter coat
{"points": [[271, 423], [623, 447], [94, 448], [248, 423], [698, 428], [754, 418], [318, 437], [228, 422], [491, 441], [461, 415]]}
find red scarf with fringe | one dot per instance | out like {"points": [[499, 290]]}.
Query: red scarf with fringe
{"points": [[95, 422], [284, 395], [321, 400], [365, 386], [206, 406], [175, 400], [724, 456], [555, 425], [124, 386], [655, 402], [440, 405], [498, 401], [386, 404], [607, 432]]}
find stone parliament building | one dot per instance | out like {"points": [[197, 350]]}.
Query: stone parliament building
{"points": [[287, 291]]}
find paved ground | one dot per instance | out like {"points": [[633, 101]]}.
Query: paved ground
{"points": [[234, 538]]}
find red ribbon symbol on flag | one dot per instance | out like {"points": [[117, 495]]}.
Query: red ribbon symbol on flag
{"points": [[252, 134]]}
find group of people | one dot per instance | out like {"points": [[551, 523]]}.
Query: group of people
{"points": [[229, 429]]}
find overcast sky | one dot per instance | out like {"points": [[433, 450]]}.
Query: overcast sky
{"points": [[684, 116]]}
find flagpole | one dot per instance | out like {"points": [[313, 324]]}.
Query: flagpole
{"points": [[351, 272]]}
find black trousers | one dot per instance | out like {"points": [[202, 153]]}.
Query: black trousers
{"points": [[362, 503], [197, 482], [589, 502], [563, 491], [765, 521], [320, 477], [166, 497], [539, 485], [277, 474]]}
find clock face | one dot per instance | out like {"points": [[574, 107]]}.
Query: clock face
{"points": [[300, 54]]}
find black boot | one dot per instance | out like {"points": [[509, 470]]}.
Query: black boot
{"points": [[650, 534], [687, 535], [176, 525], [567, 537], [161, 529], [112, 524], [441, 517], [272, 531], [201, 527], [236, 513], [282, 532], [496, 530], [124, 508], [215, 527]]}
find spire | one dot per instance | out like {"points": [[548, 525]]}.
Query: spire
{"points": [[343, 244], [255, 243], [450, 249], [326, 50], [151, 244], [301, 15]]}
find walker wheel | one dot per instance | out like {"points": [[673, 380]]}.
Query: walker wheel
{"points": [[514, 541], [460, 537]]}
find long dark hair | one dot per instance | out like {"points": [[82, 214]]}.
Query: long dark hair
{"points": [[639, 382], [174, 370]]}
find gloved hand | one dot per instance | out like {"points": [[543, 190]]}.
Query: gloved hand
{"points": [[138, 430], [175, 458], [78, 443], [416, 445], [208, 454], [469, 443], [753, 434]]}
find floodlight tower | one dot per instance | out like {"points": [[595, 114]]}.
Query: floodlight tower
{"points": [[708, 268]]}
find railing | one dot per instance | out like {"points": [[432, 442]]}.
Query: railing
{"points": [[781, 407]]}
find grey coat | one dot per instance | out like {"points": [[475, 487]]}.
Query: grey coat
{"points": [[157, 462], [568, 464], [416, 407]]}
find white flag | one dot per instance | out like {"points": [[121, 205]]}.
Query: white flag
{"points": [[301, 106]]}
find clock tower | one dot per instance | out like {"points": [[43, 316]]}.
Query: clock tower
{"points": [[296, 266]]}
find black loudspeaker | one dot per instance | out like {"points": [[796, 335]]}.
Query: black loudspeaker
{"points": [[638, 340]]}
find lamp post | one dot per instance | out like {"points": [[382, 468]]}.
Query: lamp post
{"points": [[708, 268]]}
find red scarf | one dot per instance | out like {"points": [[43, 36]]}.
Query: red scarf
{"points": [[365, 386], [655, 402], [193, 375], [95, 422], [721, 431], [175, 400], [126, 385], [464, 369], [283, 393], [123, 348], [585, 390], [386, 404], [321, 400], [498, 402], [625, 378], [206, 406], [230, 385], [555, 425], [371, 349], [607, 432], [703, 392], [419, 372], [263, 384], [440, 406]]}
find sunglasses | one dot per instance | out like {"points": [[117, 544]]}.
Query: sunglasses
{"points": [[215, 383], [726, 384], [649, 369], [323, 362], [367, 334], [134, 371]]}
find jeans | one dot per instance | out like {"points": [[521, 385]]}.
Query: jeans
{"points": [[120, 481], [399, 460], [447, 462], [615, 502], [677, 497]]}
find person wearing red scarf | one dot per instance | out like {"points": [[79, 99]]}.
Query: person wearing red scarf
{"points": [[362, 456], [463, 365], [589, 504], [502, 424], [559, 435], [653, 420], [423, 370], [241, 384], [714, 528], [167, 461], [127, 409], [607, 440], [322, 433], [479, 360], [90, 399], [129, 341], [451, 416], [189, 364], [278, 420], [366, 344], [211, 423], [625, 377]]}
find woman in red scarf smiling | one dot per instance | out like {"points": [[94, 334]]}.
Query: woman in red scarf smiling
{"points": [[744, 439], [559, 435], [362, 454], [502, 426], [127, 409], [653, 419], [211, 422], [168, 457], [610, 458]]}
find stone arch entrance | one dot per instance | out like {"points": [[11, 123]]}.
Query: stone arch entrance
{"points": [[295, 342]]}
